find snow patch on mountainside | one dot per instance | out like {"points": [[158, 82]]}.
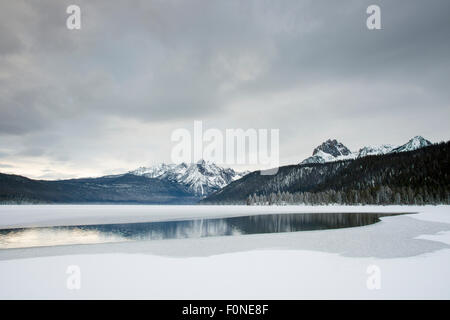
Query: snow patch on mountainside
{"points": [[374, 150]]}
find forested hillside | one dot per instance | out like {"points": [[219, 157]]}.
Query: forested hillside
{"points": [[415, 177]]}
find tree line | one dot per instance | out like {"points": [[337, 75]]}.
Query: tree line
{"points": [[415, 177], [382, 195]]}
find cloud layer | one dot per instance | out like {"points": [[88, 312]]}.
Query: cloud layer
{"points": [[106, 98]]}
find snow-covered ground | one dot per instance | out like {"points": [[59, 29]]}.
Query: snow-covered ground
{"points": [[404, 256]]}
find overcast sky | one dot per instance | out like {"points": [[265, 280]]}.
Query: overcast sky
{"points": [[105, 99]]}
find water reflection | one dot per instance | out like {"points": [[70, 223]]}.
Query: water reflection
{"points": [[270, 223]]}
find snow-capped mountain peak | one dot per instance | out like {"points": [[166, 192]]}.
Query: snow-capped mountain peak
{"points": [[415, 143], [332, 150], [332, 147], [201, 178]]}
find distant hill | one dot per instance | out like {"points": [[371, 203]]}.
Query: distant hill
{"points": [[127, 188], [404, 177]]}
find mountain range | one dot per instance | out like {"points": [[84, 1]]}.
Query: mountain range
{"points": [[160, 184], [181, 183], [201, 178], [333, 150], [204, 178], [409, 174]]}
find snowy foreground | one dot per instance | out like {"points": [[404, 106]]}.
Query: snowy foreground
{"points": [[401, 257]]}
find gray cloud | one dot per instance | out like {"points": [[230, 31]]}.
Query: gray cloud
{"points": [[109, 95]]}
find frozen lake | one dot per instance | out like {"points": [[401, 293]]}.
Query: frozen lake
{"points": [[410, 250], [179, 229]]}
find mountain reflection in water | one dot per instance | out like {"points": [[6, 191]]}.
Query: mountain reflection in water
{"points": [[178, 229]]}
